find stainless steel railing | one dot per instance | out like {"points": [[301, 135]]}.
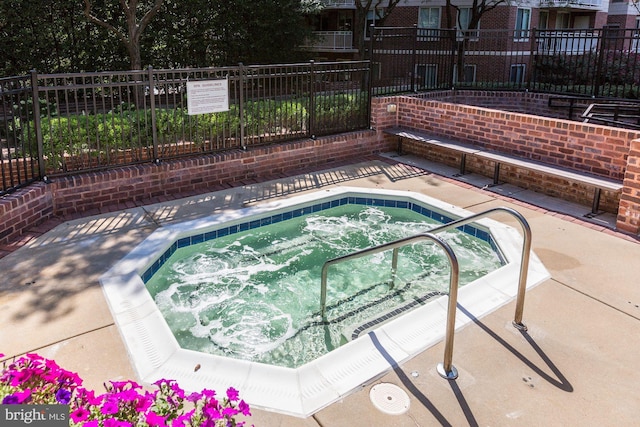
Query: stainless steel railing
{"points": [[446, 368]]}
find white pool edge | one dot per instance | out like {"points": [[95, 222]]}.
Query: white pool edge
{"points": [[155, 353]]}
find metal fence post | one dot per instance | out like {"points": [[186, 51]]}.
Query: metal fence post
{"points": [[312, 101], [414, 53], [532, 58], [152, 106], [241, 106], [37, 124], [601, 53]]}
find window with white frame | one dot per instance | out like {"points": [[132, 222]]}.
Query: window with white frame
{"points": [[523, 22], [462, 23], [516, 74], [372, 17], [469, 73], [635, 45], [428, 23], [426, 76]]}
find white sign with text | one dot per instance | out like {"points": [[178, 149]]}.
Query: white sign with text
{"points": [[207, 96]]}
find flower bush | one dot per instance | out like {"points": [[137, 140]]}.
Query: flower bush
{"points": [[36, 380]]}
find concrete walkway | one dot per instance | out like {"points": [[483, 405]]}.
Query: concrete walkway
{"points": [[576, 365]]}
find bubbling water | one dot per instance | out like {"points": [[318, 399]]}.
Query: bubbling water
{"points": [[255, 295]]}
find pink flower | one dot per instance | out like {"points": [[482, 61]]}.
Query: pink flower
{"points": [[154, 419], [208, 393], [194, 397], [109, 407], [243, 407], [112, 422], [183, 419], [80, 414], [17, 398], [232, 394], [212, 412]]}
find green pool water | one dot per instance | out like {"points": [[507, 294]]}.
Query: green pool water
{"points": [[255, 295]]}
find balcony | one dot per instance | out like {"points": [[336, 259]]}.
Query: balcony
{"points": [[572, 4], [331, 41], [567, 42], [338, 4]]}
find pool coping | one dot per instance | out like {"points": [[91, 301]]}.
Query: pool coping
{"points": [[302, 391]]}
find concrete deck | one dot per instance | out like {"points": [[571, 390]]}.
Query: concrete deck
{"points": [[576, 365]]}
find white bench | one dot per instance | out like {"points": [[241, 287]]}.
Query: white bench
{"points": [[449, 144], [498, 159]]}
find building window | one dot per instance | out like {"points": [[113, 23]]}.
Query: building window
{"points": [[543, 20], [469, 73], [523, 21], [517, 74], [463, 19], [428, 23], [562, 21], [372, 17], [635, 45], [426, 76]]}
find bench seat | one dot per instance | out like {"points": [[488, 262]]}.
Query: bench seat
{"points": [[598, 183], [439, 141]]}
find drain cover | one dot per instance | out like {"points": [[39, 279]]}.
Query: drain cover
{"points": [[389, 398]]}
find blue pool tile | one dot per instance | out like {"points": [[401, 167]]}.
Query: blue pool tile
{"points": [[483, 235], [266, 221], [185, 241]]}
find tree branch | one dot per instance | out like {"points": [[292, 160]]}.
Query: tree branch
{"points": [[149, 15], [100, 22]]}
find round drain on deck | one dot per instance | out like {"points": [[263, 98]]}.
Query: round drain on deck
{"points": [[389, 398]]}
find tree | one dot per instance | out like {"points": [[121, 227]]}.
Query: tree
{"points": [[381, 8], [466, 30], [133, 28]]}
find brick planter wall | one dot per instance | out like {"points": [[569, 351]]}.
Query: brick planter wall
{"points": [[595, 149], [629, 211], [127, 186]]}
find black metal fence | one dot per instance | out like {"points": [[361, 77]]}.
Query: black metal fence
{"points": [[60, 124], [595, 62]]}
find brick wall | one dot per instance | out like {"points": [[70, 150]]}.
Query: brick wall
{"points": [[23, 209], [629, 211], [518, 102], [595, 149], [95, 192]]}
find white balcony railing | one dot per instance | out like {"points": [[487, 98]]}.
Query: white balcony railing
{"points": [[331, 41], [591, 4], [573, 42], [339, 4]]}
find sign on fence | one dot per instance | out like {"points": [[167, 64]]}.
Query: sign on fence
{"points": [[207, 96]]}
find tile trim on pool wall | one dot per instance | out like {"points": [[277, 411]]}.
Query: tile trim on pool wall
{"points": [[317, 207]]}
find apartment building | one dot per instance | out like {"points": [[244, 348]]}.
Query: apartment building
{"points": [[338, 35]]}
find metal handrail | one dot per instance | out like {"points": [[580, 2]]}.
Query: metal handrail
{"points": [[446, 369], [524, 260]]}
